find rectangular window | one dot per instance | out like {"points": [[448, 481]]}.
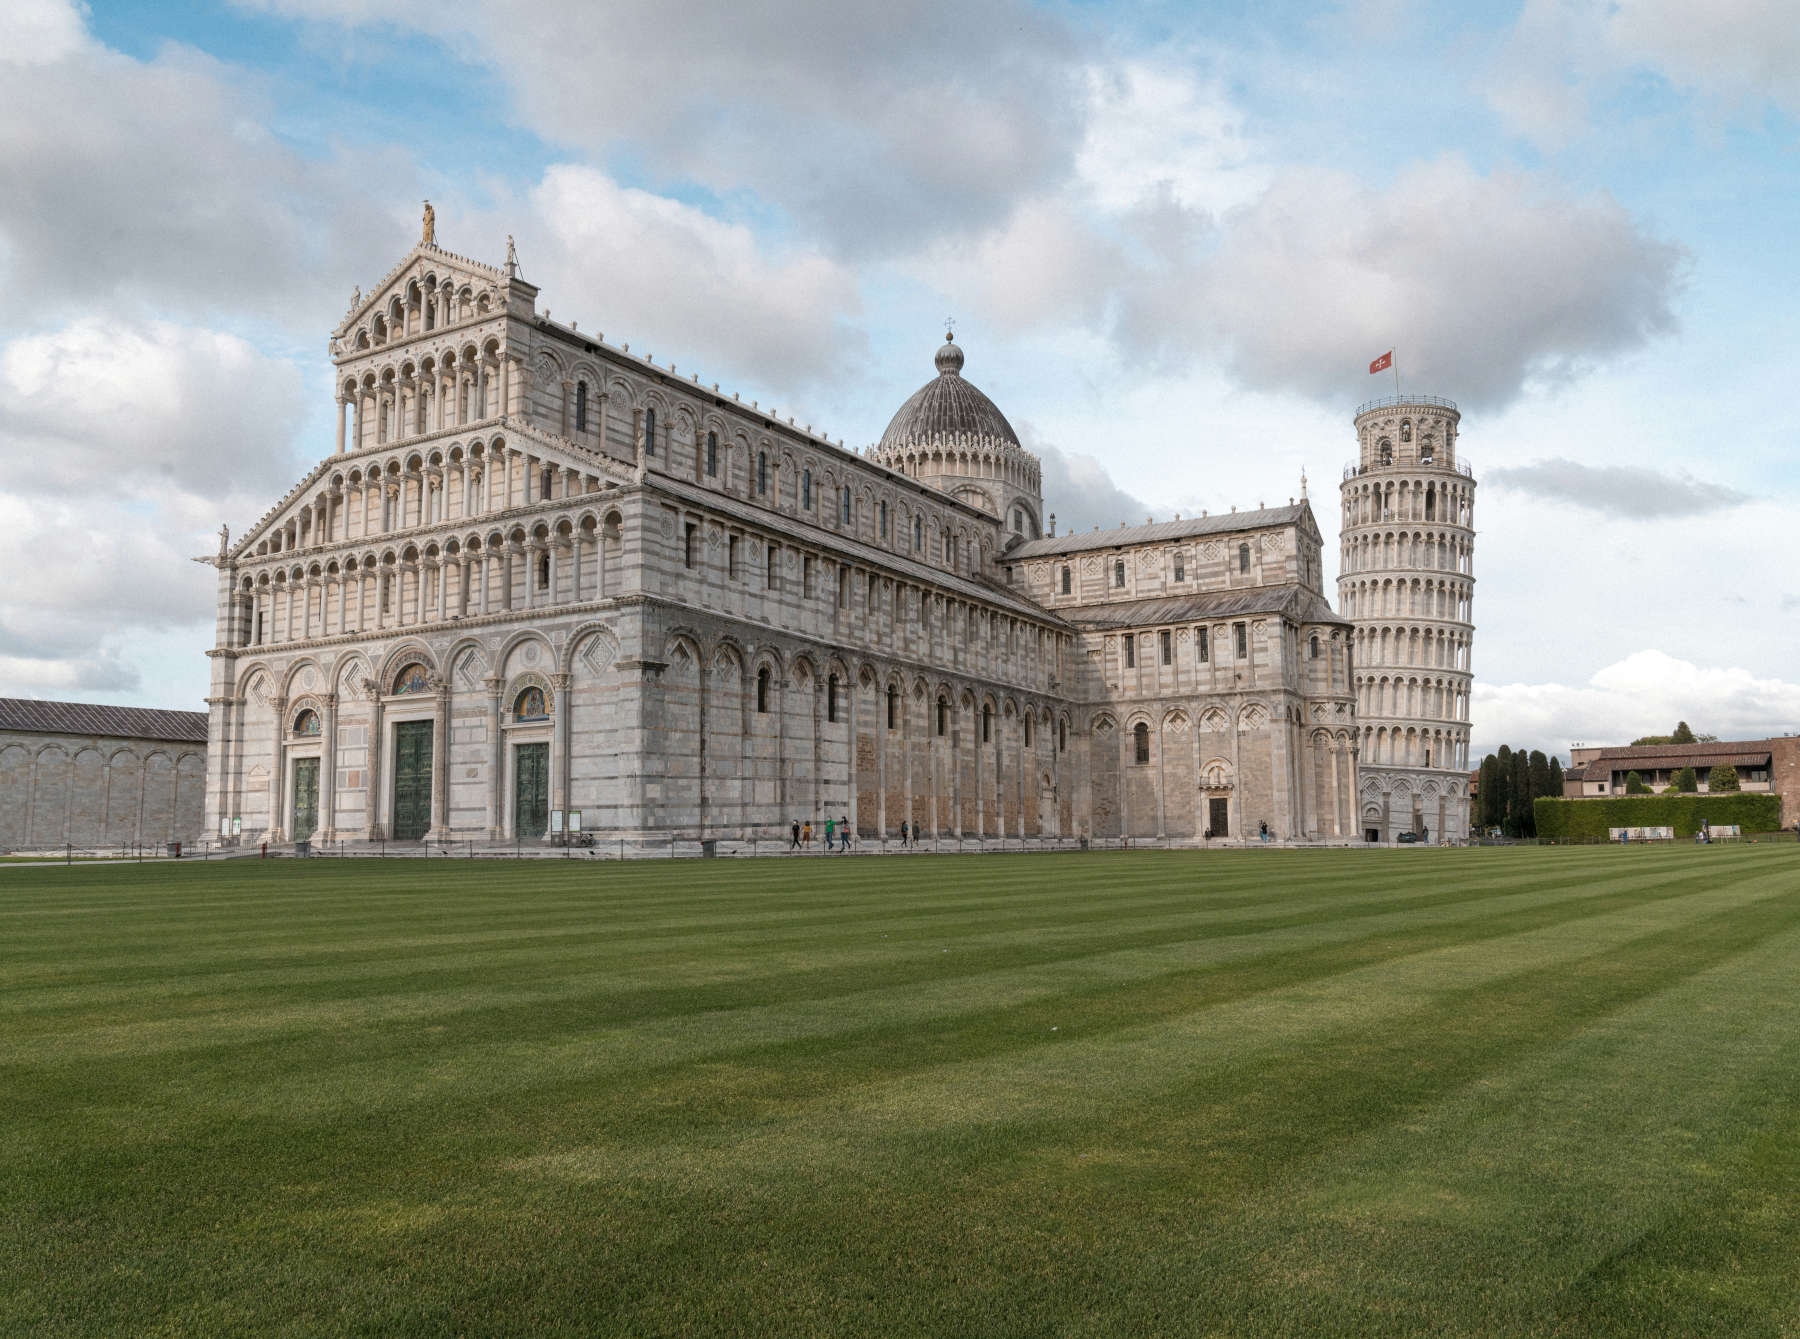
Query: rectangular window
{"points": [[1065, 581], [731, 557], [649, 432], [1202, 647], [1130, 651], [1180, 569], [1167, 640], [884, 525], [1119, 572], [762, 472], [712, 454], [1243, 640], [693, 541], [772, 581]]}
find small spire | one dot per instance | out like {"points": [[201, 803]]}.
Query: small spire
{"points": [[1303, 483]]}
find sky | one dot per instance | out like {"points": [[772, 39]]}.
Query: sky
{"points": [[1171, 236]]}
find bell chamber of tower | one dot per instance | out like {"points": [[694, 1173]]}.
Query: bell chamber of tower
{"points": [[951, 436], [1406, 580]]}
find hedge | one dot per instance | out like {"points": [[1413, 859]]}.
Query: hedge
{"points": [[1568, 820]]}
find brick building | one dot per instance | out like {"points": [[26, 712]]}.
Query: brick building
{"points": [[1763, 766]]}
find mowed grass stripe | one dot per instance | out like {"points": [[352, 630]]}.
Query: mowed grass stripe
{"points": [[394, 964], [586, 1000], [800, 1128]]}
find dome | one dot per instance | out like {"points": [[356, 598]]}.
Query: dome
{"points": [[948, 407]]}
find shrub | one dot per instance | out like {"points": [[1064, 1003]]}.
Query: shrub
{"points": [[1685, 781], [1589, 820], [1721, 779], [1634, 784]]}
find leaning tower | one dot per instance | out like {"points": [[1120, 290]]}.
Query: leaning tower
{"points": [[1406, 580]]}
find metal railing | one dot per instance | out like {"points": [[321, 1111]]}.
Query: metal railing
{"points": [[1461, 467], [1395, 401]]}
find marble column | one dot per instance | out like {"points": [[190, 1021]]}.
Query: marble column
{"points": [[559, 747], [277, 771], [327, 827], [496, 759]]}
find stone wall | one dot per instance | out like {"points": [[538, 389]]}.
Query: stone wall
{"points": [[58, 790]]}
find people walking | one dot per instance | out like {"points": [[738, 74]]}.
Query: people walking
{"points": [[830, 833], [806, 835], [796, 842], [904, 831], [844, 834]]}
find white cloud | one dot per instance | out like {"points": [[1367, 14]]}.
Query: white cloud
{"points": [[1737, 51], [40, 32], [157, 183], [1645, 693], [1482, 283], [1154, 128], [141, 438], [874, 122], [146, 410], [674, 281], [1632, 492]]}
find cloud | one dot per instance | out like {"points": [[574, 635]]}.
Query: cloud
{"points": [[1629, 491], [659, 270], [1738, 51], [874, 123], [40, 32], [1482, 285], [1645, 693], [152, 409], [140, 438], [158, 183], [1079, 491]]}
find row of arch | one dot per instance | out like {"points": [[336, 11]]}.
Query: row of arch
{"points": [[1422, 598], [1433, 550], [1414, 746], [1403, 644], [416, 490], [101, 794], [964, 458], [426, 303], [553, 561], [1428, 500], [1432, 698]]}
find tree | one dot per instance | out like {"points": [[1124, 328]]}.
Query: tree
{"points": [[1634, 784], [1721, 778], [1537, 782], [1685, 781], [1556, 776], [1491, 795], [1683, 734]]}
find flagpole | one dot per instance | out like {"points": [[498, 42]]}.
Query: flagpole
{"points": [[1396, 359]]}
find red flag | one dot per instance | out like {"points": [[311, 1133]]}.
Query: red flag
{"points": [[1382, 363]]}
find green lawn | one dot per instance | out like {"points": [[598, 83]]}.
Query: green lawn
{"points": [[1496, 1092]]}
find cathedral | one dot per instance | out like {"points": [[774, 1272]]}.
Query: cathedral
{"points": [[546, 586]]}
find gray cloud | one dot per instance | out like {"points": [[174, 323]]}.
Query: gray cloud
{"points": [[1080, 492], [1631, 492], [1481, 284], [1735, 52], [872, 122], [156, 183]]}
